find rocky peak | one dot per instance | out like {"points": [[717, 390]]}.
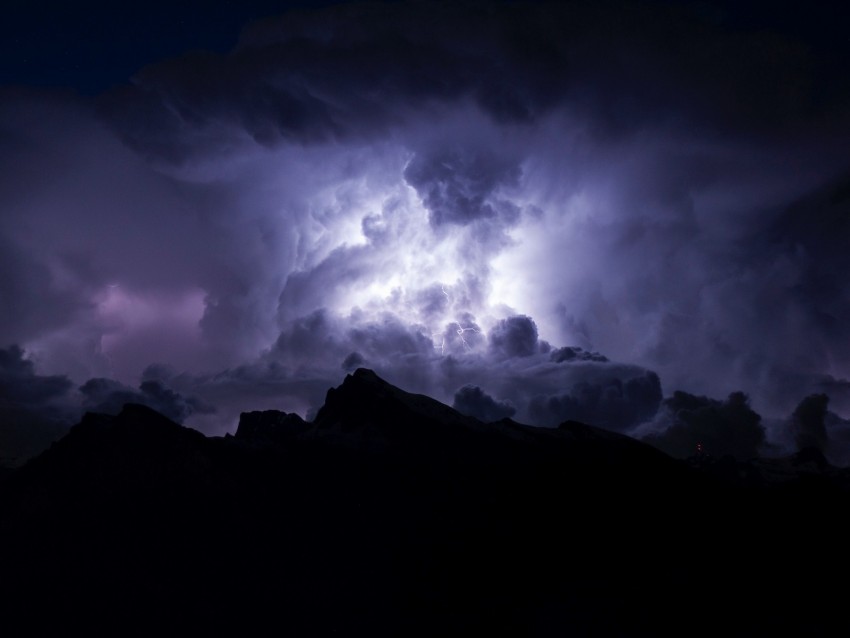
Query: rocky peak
{"points": [[365, 397], [270, 426]]}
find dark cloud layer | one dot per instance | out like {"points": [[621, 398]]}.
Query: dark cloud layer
{"points": [[37, 409], [808, 422], [576, 354], [612, 403], [460, 188], [358, 70], [688, 424], [473, 401], [108, 396], [33, 408], [514, 337], [564, 206]]}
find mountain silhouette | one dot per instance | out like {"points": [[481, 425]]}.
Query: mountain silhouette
{"points": [[393, 514]]}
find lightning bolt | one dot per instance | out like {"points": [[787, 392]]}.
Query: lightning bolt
{"points": [[461, 329], [442, 345]]}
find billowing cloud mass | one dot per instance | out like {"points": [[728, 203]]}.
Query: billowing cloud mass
{"points": [[813, 425], [609, 400], [687, 425], [514, 337], [35, 410], [473, 401], [808, 422], [108, 396], [514, 206]]}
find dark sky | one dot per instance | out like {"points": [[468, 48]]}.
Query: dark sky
{"points": [[546, 211], [91, 46]]}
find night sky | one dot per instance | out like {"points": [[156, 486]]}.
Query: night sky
{"points": [[543, 211]]}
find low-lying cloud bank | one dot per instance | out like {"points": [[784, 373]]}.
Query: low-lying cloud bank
{"points": [[525, 379]]}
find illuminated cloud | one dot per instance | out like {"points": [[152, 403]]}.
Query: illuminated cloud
{"points": [[543, 203]]}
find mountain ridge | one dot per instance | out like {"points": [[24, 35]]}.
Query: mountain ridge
{"points": [[394, 514]]}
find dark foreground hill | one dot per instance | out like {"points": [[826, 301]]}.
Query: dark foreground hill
{"points": [[392, 514]]}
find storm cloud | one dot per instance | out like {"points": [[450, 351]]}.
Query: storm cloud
{"points": [[457, 188], [568, 211], [108, 396], [688, 424], [612, 403], [34, 409], [808, 422], [514, 337], [473, 401]]}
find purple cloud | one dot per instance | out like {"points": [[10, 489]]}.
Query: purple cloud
{"points": [[562, 210]]}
